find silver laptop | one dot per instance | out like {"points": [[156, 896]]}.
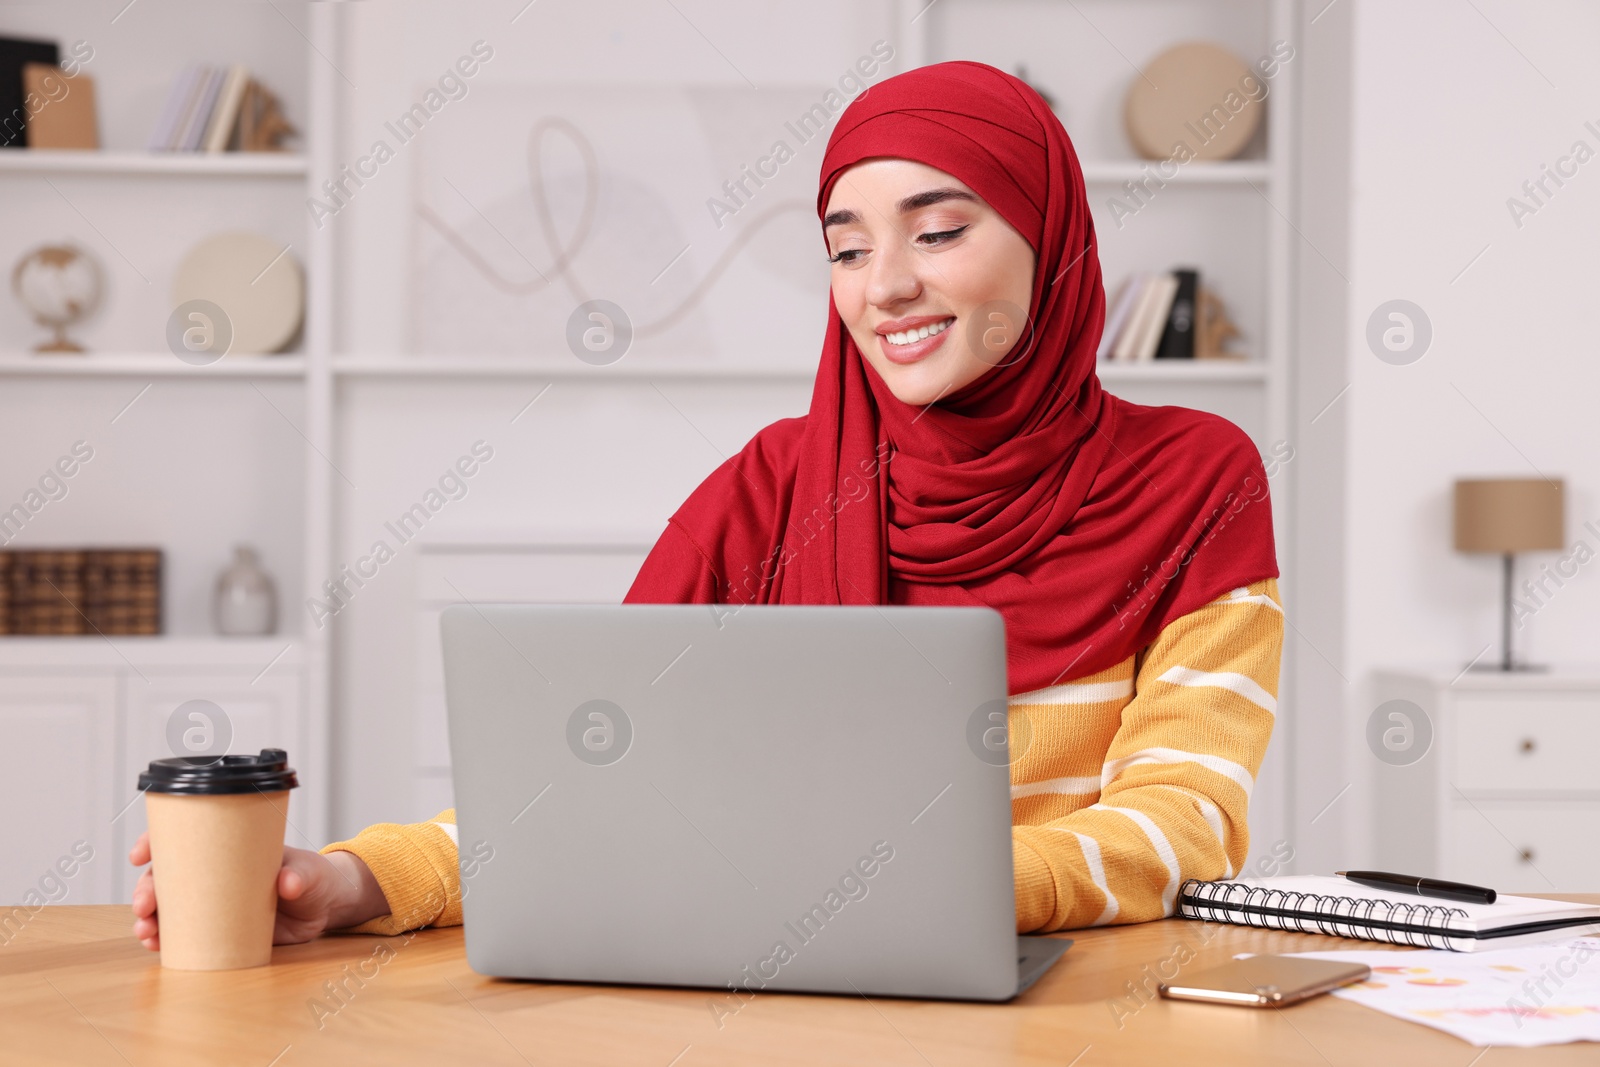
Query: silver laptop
{"points": [[748, 799]]}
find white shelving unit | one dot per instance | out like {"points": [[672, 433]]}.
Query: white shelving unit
{"points": [[102, 704], [148, 365], [238, 164]]}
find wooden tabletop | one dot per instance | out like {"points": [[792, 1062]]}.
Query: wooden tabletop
{"points": [[75, 988]]}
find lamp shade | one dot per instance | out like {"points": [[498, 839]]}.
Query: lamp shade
{"points": [[1509, 514]]}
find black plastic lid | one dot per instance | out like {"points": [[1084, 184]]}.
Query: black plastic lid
{"points": [[216, 776]]}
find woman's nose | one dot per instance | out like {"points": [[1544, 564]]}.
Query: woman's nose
{"points": [[895, 273]]}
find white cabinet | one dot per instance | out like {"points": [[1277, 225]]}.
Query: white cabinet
{"points": [[1507, 793], [57, 790], [81, 718]]}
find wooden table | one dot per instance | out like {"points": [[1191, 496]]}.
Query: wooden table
{"points": [[75, 988]]}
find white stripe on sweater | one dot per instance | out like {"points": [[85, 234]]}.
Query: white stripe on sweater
{"points": [[1162, 847], [1077, 693], [1097, 874], [1064, 786], [1213, 818], [1225, 767], [1232, 681], [1243, 595]]}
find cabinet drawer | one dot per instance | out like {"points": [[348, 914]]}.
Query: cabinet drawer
{"points": [[1524, 848], [1542, 744]]}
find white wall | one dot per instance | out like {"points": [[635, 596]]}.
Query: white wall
{"points": [[394, 49], [1454, 107]]}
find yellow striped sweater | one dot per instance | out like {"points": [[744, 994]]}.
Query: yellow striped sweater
{"points": [[1136, 778]]}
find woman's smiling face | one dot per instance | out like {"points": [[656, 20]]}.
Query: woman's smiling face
{"points": [[929, 279]]}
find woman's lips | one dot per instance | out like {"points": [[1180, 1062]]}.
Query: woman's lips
{"points": [[914, 351]]}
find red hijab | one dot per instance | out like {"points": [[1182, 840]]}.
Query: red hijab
{"points": [[1088, 522]]}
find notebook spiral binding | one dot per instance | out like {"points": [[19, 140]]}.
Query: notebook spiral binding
{"points": [[1419, 925]]}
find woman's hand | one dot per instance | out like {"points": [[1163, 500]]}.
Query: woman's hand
{"points": [[315, 893]]}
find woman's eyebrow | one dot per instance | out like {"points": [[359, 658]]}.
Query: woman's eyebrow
{"points": [[914, 202], [930, 197]]}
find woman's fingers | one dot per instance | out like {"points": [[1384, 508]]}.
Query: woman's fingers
{"points": [[144, 896], [312, 895], [291, 883], [145, 927], [139, 855]]}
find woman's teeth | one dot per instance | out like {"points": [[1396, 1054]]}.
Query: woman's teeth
{"points": [[906, 337]]}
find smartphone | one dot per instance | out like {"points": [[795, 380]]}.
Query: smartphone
{"points": [[1265, 981]]}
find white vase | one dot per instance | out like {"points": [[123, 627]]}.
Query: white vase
{"points": [[245, 602]]}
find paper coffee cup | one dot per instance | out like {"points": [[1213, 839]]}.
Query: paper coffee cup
{"points": [[216, 844]]}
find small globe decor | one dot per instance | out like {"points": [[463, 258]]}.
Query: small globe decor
{"points": [[60, 286]]}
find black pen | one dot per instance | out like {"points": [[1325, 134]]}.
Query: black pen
{"points": [[1425, 887]]}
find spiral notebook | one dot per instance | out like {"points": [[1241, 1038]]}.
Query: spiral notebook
{"points": [[1313, 904]]}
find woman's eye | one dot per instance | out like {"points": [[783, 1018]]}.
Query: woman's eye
{"points": [[926, 240], [942, 236]]}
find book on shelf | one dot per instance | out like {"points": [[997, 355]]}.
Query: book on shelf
{"points": [[46, 592], [62, 592], [1127, 340], [122, 590], [194, 126], [1177, 338], [1166, 316], [194, 91], [65, 116], [15, 54], [226, 113], [1154, 320], [1119, 310], [178, 100], [218, 109]]}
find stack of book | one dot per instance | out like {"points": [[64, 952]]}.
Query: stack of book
{"points": [[80, 591], [218, 109], [1154, 316]]}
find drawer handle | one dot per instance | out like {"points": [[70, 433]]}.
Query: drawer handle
{"points": [[1527, 744], [1525, 855]]}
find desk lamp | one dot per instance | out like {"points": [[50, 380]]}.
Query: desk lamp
{"points": [[1508, 515]]}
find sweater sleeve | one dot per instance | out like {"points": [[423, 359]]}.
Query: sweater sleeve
{"points": [[416, 867], [1176, 780]]}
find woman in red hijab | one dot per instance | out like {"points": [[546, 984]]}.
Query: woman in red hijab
{"points": [[959, 450]]}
